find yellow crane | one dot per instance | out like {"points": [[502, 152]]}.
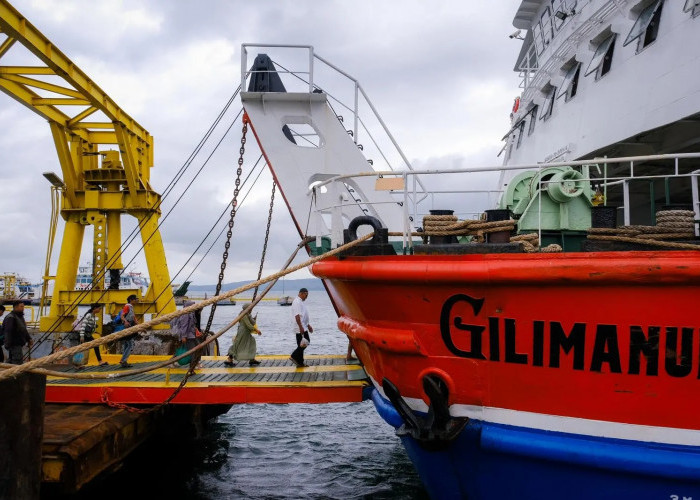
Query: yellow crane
{"points": [[98, 186]]}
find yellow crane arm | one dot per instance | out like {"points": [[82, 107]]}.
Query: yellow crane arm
{"points": [[83, 118]]}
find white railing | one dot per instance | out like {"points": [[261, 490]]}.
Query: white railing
{"points": [[612, 173], [309, 72]]}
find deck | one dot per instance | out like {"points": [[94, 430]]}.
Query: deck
{"points": [[328, 379]]}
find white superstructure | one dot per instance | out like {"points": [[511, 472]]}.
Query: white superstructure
{"points": [[606, 78]]}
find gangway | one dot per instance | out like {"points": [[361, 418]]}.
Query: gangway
{"points": [[327, 379]]}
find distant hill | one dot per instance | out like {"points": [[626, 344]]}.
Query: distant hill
{"points": [[291, 287]]}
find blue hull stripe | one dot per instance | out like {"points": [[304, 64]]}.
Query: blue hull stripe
{"points": [[670, 461], [499, 461]]}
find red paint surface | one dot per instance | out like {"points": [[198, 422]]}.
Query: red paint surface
{"points": [[203, 395], [391, 307]]}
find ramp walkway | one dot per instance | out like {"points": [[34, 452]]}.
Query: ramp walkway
{"points": [[328, 379]]}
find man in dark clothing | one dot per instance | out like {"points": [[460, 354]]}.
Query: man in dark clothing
{"points": [[2, 336], [16, 334]]}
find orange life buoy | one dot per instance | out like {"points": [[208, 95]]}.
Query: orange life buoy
{"points": [[516, 104]]}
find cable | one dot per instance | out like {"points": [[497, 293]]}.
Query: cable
{"points": [[127, 242], [221, 216]]}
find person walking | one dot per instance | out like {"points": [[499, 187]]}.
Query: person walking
{"points": [[301, 326], [16, 334], [88, 325], [185, 327], [2, 336], [128, 320], [244, 347]]}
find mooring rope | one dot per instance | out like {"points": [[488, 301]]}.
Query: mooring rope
{"points": [[449, 225], [14, 370], [670, 225]]}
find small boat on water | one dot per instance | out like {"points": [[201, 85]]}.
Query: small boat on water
{"points": [[542, 340], [285, 300]]}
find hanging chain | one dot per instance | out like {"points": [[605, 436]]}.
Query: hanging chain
{"points": [[267, 237], [234, 204]]}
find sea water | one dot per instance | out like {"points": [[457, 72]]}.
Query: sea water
{"points": [[340, 450]]}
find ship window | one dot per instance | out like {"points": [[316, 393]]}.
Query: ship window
{"points": [[647, 25], [521, 133], [558, 6], [548, 105], [602, 59], [533, 120], [693, 5], [537, 36], [546, 20], [570, 85]]}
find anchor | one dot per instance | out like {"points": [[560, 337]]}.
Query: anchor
{"points": [[438, 429]]}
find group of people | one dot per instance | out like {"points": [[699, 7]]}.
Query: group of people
{"points": [[14, 335], [244, 346]]}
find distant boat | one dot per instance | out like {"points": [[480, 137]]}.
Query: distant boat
{"points": [[285, 301], [228, 302]]}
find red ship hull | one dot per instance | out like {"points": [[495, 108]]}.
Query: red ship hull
{"points": [[611, 337]]}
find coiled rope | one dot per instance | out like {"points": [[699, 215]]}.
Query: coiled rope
{"points": [[449, 225], [670, 225]]}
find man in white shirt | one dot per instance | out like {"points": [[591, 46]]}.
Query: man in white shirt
{"points": [[301, 326]]}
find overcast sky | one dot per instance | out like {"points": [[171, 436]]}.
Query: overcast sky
{"points": [[440, 74]]}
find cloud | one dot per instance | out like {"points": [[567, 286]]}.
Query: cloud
{"points": [[439, 74]]}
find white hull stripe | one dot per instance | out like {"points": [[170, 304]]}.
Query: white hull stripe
{"points": [[569, 425]]}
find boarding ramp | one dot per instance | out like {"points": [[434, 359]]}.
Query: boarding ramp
{"points": [[327, 379]]}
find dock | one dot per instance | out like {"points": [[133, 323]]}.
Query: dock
{"points": [[82, 441], [84, 437], [327, 379]]}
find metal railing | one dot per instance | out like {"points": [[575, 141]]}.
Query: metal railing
{"points": [[358, 91], [637, 169]]}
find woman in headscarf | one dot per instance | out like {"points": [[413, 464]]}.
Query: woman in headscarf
{"points": [[244, 346], [186, 329]]}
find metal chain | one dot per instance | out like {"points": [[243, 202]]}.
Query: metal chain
{"points": [[234, 204], [105, 398], [267, 237]]}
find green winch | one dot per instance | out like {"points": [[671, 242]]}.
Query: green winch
{"points": [[551, 199]]}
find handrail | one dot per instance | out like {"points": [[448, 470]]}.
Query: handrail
{"points": [[636, 173], [358, 90], [500, 168]]}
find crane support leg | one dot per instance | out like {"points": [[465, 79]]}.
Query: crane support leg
{"points": [[68, 263], [155, 259], [114, 252]]}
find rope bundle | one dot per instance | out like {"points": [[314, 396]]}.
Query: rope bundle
{"points": [[449, 225], [531, 243], [671, 225]]}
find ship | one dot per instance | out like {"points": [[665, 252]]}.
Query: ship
{"points": [[539, 339], [14, 287], [84, 280], [285, 300]]}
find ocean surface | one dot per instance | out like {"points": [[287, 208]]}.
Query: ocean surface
{"points": [[337, 451]]}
